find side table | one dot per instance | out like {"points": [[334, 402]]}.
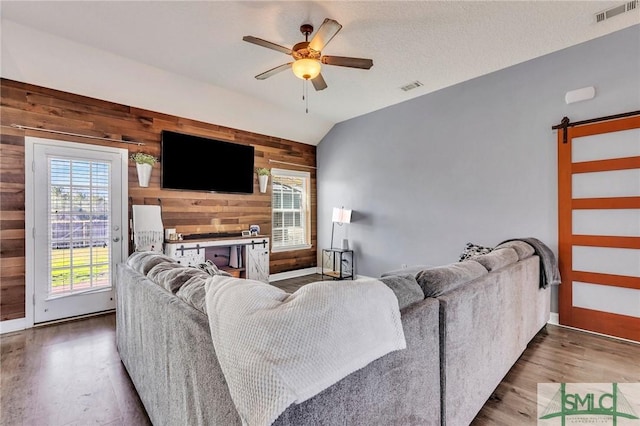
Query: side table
{"points": [[341, 261]]}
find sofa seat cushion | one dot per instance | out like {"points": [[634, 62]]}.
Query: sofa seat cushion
{"points": [[497, 259], [405, 287], [523, 249], [143, 261], [443, 279]]}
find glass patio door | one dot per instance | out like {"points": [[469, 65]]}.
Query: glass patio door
{"points": [[78, 237]]}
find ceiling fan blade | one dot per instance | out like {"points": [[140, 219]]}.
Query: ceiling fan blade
{"points": [[325, 33], [319, 83], [343, 61], [273, 71], [267, 44]]}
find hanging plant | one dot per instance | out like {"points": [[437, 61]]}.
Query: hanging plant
{"points": [[142, 158], [263, 178], [144, 164]]}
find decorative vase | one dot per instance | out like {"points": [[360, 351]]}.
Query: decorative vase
{"points": [[144, 174], [263, 180]]}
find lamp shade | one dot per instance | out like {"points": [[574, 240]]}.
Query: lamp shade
{"points": [[306, 69], [341, 215]]}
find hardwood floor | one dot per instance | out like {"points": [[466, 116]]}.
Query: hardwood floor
{"points": [[66, 374], [70, 373], [292, 284], [558, 355]]}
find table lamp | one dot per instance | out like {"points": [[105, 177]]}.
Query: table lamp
{"points": [[340, 216]]}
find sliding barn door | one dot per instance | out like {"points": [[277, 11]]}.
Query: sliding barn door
{"points": [[599, 227]]}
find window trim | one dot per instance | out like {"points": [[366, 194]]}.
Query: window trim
{"points": [[305, 210]]}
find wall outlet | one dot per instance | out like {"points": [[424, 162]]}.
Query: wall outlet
{"points": [[403, 266]]}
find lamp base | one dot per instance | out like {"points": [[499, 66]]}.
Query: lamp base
{"points": [[333, 227]]}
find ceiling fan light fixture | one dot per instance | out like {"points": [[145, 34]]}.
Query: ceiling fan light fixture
{"points": [[306, 69]]}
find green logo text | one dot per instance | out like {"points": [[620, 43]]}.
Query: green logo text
{"points": [[612, 404]]}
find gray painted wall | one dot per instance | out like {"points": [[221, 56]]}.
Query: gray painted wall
{"points": [[475, 162]]}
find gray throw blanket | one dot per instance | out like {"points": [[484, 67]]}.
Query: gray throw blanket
{"points": [[276, 348], [549, 272]]}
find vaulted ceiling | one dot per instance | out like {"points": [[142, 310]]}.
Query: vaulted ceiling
{"points": [[439, 43]]}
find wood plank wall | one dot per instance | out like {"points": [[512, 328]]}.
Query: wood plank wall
{"points": [[188, 212]]}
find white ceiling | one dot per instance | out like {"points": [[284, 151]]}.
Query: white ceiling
{"points": [[439, 43]]}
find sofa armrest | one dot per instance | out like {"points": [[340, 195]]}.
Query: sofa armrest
{"points": [[485, 326]]}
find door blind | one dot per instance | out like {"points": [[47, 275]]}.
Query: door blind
{"points": [[79, 225]]}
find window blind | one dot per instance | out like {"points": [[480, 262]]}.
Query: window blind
{"points": [[79, 225]]}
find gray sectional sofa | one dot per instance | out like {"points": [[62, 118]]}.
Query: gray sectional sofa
{"points": [[462, 338]]}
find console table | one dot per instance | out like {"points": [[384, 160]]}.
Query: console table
{"points": [[342, 263], [242, 257]]}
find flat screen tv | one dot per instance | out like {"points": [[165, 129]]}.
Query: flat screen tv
{"points": [[194, 163]]}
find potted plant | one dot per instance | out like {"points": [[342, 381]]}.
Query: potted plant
{"points": [[144, 164], [263, 178]]}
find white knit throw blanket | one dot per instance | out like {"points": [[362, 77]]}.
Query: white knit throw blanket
{"points": [[276, 348], [148, 233]]}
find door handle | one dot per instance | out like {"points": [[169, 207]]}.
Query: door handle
{"points": [[116, 239]]}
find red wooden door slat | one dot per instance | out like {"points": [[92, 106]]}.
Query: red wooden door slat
{"points": [[605, 203], [606, 279], [606, 165]]}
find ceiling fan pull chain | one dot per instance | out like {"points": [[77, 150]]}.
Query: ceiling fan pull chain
{"points": [[306, 89], [305, 95]]}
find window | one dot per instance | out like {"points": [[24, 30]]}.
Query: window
{"points": [[78, 219], [290, 210]]}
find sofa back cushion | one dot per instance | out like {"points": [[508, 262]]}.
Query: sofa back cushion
{"points": [[442, 279], [411, 270], [193, 292], [405, 287], [523, 249], [172, 276], [497, 259], [143, 261]]}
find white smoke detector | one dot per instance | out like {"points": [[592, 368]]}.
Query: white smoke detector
{"points": [[580, 95]]}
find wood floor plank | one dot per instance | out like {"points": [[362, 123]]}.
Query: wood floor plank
{"points": [[556, 355], [71, 374], [66, 374]]}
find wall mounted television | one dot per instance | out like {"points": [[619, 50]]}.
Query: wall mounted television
{"points": [[194, 163]]}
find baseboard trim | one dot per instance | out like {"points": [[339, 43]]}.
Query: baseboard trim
{"points": [[598, 334], [293, 274], [358, 276], [555, 320], [20, 324], [76, 318], [365, 277], [9, 326]]}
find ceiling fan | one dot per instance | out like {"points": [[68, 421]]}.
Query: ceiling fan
{"points": [[307, 55]]}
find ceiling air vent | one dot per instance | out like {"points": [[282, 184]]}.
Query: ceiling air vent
{"points": [[411, 86], [610, 13]]}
